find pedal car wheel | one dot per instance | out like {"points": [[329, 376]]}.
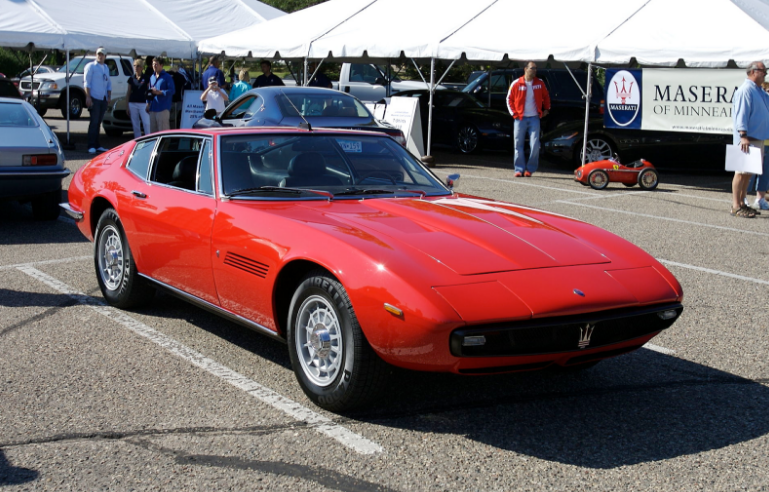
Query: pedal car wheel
{"points": [[598, 179], [648, 179]]}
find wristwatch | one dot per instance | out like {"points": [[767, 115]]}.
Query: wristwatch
{"points": [[743, 134]]}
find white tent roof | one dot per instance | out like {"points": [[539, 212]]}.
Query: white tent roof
{"points": [[567, 30], [708, 33], [389, 27], [172, 27], [288, 37]]}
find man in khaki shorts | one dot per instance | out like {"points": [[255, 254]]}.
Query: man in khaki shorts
{"points": [[751, 128]]}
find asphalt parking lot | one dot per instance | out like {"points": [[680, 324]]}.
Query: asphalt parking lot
{"points": [[170, 397]]}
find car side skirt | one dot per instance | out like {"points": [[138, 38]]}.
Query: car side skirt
{"points": [[214, 309]]}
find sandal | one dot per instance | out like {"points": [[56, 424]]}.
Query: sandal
{"points": [[744, 212]]}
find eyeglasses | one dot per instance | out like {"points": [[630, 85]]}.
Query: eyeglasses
{"points": [[763, 71]]}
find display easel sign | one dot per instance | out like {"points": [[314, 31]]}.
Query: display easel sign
{"points": [[403, 114], [192, 108]]}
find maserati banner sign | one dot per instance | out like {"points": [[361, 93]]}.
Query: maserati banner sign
{"points": [[671, 99]]}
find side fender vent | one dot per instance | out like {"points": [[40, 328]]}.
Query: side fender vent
{"points": [[246, 264]]}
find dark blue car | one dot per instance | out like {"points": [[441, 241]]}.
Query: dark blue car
{"points": [[292, 106]]}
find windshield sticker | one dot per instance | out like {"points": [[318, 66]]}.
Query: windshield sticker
{"points": [[351, 146]]}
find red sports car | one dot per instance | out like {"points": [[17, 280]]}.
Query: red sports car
{"points": [[599, 174], [346, 247]]}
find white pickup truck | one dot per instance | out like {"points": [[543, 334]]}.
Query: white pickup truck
{"points": [[368, 82], [49, 91]]}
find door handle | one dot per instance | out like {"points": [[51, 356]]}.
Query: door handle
{"points": [[138, 194]]}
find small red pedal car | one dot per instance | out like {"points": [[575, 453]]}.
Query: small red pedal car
{"points": [[599, 174]]}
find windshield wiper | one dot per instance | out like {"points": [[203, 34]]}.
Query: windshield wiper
{"points": [[278, 189], [376, 191]]}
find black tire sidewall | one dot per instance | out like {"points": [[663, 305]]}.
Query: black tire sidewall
{"points": [[121, 296], [337, 394]]}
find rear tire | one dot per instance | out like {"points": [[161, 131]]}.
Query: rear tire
{"points": [[116, 273], [648, 179], [46, 206], [335, 365]]}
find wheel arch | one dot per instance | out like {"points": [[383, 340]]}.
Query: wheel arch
{"points": [[73, 91], [286, 282], [98, 206]]}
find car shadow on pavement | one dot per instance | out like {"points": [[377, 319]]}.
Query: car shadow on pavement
{"points": [[633, 409], [13, 475], [17, 226]]}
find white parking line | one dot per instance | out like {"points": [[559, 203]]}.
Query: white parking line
{"points": [[714, 272], [45, 262], [318, 422], [659, 349], [669, 219], [521, 182]]}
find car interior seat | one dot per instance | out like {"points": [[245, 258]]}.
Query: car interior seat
{"points": [[185, 173], [308, 169]]}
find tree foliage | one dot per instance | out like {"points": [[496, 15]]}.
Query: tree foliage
{"points": [[292, 5]]}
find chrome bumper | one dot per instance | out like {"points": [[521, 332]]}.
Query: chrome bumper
{"points": [[74, 214]]}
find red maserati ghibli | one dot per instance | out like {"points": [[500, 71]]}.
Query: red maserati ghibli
{"points": [[343, 245]]}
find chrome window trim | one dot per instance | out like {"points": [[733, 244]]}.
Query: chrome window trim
{"points": [[152, 157]]}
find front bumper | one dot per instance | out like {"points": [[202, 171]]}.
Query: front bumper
{"points": [[117, 120], [43, 99]]}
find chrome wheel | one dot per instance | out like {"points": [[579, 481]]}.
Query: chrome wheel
{"points": [[111, 258], [597, 149], [467, 139], [648, 179], [598, 179], [319, 340]]}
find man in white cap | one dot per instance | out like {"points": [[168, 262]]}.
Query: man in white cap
{"points": [[98, 93]]}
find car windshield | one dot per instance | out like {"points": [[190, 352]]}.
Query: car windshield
{"points": [[345, 165], [15, 115], [321, 104], [76, 66]]}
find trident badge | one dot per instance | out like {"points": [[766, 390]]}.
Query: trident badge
{"points": [[624, 93], [585, 334]]}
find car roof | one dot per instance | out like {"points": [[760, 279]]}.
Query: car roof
{"points": [[11, 100]]}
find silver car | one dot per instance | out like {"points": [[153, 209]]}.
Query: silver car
{"points": [[31, 159]]}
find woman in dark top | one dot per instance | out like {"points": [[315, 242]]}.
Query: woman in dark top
{"points": [[136, 96]]}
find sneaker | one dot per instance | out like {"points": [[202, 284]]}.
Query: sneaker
{"points": [[102, 149], [92, 150], [761, 204], [518, 174], [527, 174]]}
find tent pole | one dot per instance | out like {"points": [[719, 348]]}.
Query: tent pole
{"points": [[70, 145], [587, 110], [305, 72], [430, 108]]}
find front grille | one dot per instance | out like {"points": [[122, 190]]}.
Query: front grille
{"points": [[28, 85], [246, 264], [120, 115], [562, 334]]}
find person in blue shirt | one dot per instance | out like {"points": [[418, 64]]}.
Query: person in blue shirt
{"points": [[751, 128], [160, 93], [267, 78], [320, 79], [213, 71], [98, 94], [241, 86]]}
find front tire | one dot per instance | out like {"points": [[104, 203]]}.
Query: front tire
{"points": [[335, 365], [598, 179], [116, 273], [467, 139], [75, 106]]}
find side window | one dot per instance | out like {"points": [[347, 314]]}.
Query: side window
{"points": [[499, 83], [140, 160], [205, 182], [176, 163], [113, 71], [127, 66], [363, 72], [246, 108]]}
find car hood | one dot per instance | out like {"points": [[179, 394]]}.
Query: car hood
{"points": [[467, 235]]}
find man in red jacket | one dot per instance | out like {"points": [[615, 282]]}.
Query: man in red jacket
{"points": [[525, 101]]}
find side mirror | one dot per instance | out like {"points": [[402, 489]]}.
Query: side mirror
{"points": [[209, 114], [451, 181]]}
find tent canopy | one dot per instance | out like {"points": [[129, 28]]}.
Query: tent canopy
{"points": [[170, 27]]}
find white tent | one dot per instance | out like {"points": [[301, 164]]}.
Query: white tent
{"points": [[170, 27], [289, 37], [707, 33]]}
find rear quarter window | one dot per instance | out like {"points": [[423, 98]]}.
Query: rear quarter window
{"points": [[140, 159]]}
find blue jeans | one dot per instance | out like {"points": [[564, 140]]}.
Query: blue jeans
{"points": [[763, 179], [527, 125], [97, 110]]}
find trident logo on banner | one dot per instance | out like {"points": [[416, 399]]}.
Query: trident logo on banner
{"points": [[624, 94]]}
